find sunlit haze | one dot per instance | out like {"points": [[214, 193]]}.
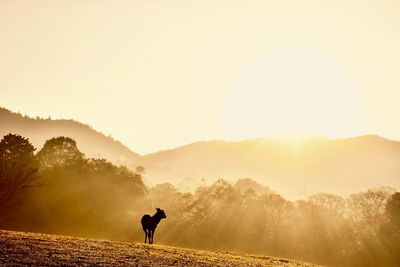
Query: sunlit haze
{"points": [[160, 74]]}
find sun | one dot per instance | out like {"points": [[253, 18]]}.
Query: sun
{"points": [[294, 95]]}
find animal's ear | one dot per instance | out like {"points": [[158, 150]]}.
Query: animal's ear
{"points": [[157, 209]]}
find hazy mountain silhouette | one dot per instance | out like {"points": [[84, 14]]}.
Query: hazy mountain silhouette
{"points": [[90, 142], [339, 166]]}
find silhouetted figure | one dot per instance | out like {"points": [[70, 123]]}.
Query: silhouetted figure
{"points": [[149, 224]]}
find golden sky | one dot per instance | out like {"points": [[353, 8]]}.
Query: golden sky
{"points": [[159, 74]]}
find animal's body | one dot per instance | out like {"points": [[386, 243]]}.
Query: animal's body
{"points": [[149, 224]]}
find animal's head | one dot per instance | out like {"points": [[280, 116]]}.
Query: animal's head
{"points": [[161, 213]]}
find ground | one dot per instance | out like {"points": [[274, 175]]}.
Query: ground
{"points": [[18, 248]]}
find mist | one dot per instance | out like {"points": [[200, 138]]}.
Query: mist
{"points": [[87, 197]]}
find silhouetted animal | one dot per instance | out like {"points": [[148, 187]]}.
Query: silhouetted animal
{"points": [[149, 224]]}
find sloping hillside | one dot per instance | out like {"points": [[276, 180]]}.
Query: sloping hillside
{"points": [[90, 142], [340, 166], [17, 248]]}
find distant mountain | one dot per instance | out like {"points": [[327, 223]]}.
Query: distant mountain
{"points": [[340, 166], [90, 142]]}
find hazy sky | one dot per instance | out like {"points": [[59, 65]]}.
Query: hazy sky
{"points": [[159, 74]]}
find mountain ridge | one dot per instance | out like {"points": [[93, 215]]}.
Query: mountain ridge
{"points": [[338, 166], [93, 143]]}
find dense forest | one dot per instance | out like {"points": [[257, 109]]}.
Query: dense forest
{"points": [[59, 190]]}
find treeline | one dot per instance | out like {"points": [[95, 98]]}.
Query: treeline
{"points": [[65, 193], [361, 230], [58, 190]]}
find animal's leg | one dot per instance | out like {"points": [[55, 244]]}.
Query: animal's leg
{"points": [[151, 236], [145, 236]]}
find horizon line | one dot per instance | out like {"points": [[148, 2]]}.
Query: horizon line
{"points": [[299, 137]]}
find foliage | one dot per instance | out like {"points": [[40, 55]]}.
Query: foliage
{"points": [[79, 196], [95, 198], [18, 169], [390, 231], [59, 152]]}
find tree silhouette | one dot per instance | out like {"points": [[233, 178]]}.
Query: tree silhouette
{"points": [[276, 210], [390, 232], [18, 168], [367, 209], [393, 209], [59, 151]]}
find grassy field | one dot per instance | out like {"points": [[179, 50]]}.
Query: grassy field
{"points": [[18, 248]]}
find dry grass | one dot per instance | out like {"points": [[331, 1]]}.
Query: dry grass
{"points": [[18, 248]]}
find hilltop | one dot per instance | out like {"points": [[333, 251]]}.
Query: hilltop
{"points": [[19, 248], [338, 166], [295, 170], [90, 141]]}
